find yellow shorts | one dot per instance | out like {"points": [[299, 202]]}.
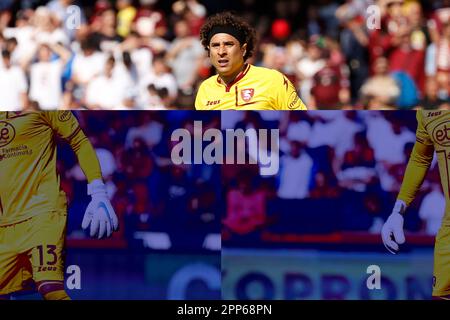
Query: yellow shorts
{"points": [[441, 276], [32, 250]]}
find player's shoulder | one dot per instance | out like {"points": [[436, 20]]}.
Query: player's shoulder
{"points": [[56, 117], [206, 88], [265, 72], [430, 115], [272, 77], [210, 82]]}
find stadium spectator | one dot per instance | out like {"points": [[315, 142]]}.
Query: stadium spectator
{"points": [[443, 63], [138, 160], [148, 128], [185, 57], [19, 37], [330, 86], [140, 55], [11, 45], [295, 126], [13, 96], [69, 15], [380, 91], [137, 180], [45, 29], [87, 64], [110, 90], [202, 206], [246, 207], [387, 136], [420, 34], [192, 11], [149, 21], [46, 75], [356, 181], [432, 99], [295, 172], [358, 167], [308, 66], [160, 78], [104, 29], [324, 187], [142, 214], [405, 60], [293, 37]]}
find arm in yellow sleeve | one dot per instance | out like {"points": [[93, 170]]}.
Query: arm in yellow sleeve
{"points": [[418, 165], [87, 158], [67, 127], [199, 98], [286, 95]]}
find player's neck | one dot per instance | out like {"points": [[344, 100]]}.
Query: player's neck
{"points": [[226, 80]]}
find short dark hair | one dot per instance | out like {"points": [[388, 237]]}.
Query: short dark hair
{"points": [[228, 19], [12, 40], [6, 54], [90, 43]]}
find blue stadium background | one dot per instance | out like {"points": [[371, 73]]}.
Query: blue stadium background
{"points": [[168, 245], [320, 242]]}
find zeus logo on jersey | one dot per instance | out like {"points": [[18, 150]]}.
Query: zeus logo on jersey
{"points": [[212, 103], [293, 101], [7, 133], [441, 134], [434, 114], [64, 116]]}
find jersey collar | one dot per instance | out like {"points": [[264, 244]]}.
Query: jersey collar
{"points": [[236, 80]]}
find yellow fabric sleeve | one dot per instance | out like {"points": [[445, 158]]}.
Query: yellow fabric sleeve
{"points": [[418, 165], [199, 97], [67, 127], [286, 95]]}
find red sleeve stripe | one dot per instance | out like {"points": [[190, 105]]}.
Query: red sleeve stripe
{"points": [[77, 130], [420, 140]]}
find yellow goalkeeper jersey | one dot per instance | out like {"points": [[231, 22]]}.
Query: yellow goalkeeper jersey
{"points": [[29, 183], [433, 135], [255, 88]]}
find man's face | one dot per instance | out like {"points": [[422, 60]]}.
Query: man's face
{"points": [[381, 66], [315, 53], [415, 13], [181, 29], [226, 53], [44, 54], [395, 8]]}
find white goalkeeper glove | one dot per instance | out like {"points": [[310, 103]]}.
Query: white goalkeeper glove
{"points": [[99, 215], [392, 231]]}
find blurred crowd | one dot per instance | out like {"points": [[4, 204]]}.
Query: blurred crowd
{"points": [[146, 54], [339, 171], [148, 192]]}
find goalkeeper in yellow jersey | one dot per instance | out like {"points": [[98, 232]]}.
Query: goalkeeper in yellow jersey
{"points": [[433, 135], [230, 42], [33, 207]]}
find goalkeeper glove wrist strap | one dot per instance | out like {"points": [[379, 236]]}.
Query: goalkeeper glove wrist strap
{"points": [[400, 207], [96, 187]]}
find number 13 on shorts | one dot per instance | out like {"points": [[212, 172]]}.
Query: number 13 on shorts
{"points": [[45, 260]]}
